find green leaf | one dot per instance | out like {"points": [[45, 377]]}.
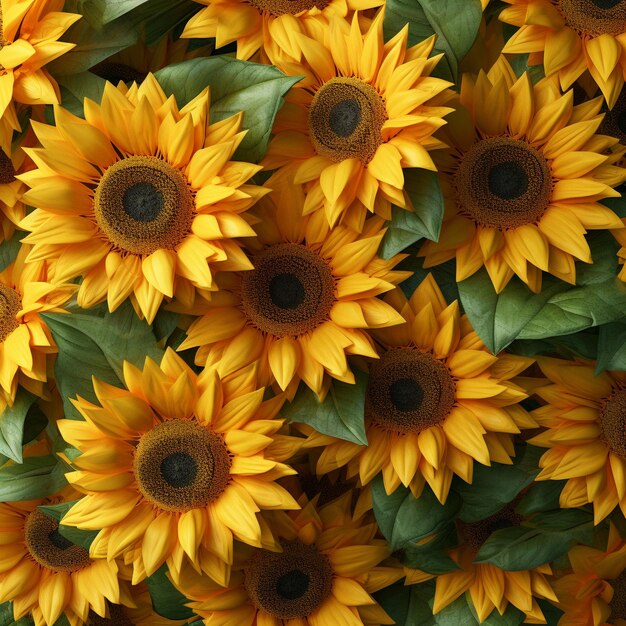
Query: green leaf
{"points": [[165, 324], [431, 556], [584, 343], [12, 425], [76, 87], [57, 511], [407, 227], [83, 538], [9, 249], [462, 613], [444, 274], [235, 85], [455, 22], [90, 345], [341, 414], [408, 605], [404, 519], [101, 12], [612, 347], [6, 616], [36, 477], [167, 601], [544, 496]]}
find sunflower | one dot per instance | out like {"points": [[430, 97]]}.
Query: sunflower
{"points": [[324, 574], [140, 199], [12, 209], [25, 341], [594, 592], [522, 181], [44, 574], [266, 26], [583, 417], [572, 37], [307, 303], [176, 466], [29, 33], [365, 110], [489, 587], [435, 401]]}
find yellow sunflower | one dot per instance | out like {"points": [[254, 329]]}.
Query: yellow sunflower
{"points": [[306, 305], [583, 417], [140, 199], [436, 401], [365, 110], [29, 33], [176, 466], [12, 209], [44, 574], [25, 341], [489, 587], [594, 593], [571, 37], [522, 181], [266, 26], [324, 574]]}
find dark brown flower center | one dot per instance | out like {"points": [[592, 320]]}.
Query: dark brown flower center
{"points": [[618, 602], [116, 72], [346, 119], [117, 616], [408, 391], [476, 533], [290, 291], [142, 204], [290, 584], [503, 183], [49, 548], [293, 7], [180, 465], [613, 421], [595, 17], [10, 305], [7, 171]]}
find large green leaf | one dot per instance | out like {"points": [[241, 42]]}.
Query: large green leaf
{"points": [[544, 496], [36, 477], [90, 345], [341, 414], [236, 86], [12, 425], [167, 601], [76, 87], [6, 616], [455, 22], [407, 227], [583, 343], [408, 605], [9, 249], [612, 347]]}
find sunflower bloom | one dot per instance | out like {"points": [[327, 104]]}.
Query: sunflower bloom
{"points": [[594, 593], [29, 33], [522, 181], [266, 26], [306, 305], [12, 209], [44, 574], [436, 401], [365, 110], [324, 574], [176, 466], [25, 340], [572, 38], [583, 417], [140, 199]]}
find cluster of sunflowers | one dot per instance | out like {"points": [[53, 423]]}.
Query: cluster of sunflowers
{"points": [[301, 323]]}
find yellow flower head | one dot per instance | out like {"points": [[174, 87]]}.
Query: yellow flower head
{"points": [[365, 110], [583, 416], [141, 199], [306, 305], [594, 592], [12, 209], [324, 574], [29, 33], [436, 401], [25, 341], [572, 37], [44, 574], [176, 466], [523, 178]]}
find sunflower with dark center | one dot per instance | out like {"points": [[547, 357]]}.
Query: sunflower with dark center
{"points": [[436, 401], [320, 576], [307, 304], [584, 419], [367, 110], [12, 209], [489, 588], [594, 590], [184, 464], [573, 39], [44, 574], [25, 340], [264, 29], [522, 180], [141, 198]]}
